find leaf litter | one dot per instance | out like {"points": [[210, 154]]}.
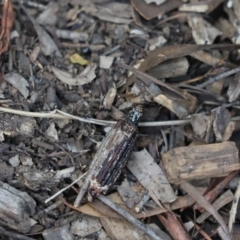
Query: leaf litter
{"points": [[71, 67]]}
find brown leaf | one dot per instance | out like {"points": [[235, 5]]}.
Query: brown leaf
{"points": [[170, 68], [170, 52], [150, 11]]}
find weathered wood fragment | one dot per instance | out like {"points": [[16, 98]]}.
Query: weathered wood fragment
{"points": [[15, 208], [199, 162]]}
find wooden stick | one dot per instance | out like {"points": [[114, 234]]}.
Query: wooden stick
{"points": [[147, 230]]}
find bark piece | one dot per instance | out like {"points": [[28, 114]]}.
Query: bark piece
{"points": [[15, 208], [60, 233], [199, 162], [173, 226], [151, 176], [37, 180]]}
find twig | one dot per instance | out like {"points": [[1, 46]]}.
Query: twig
{"points": [[233, 210], [63, 115], [147, 230], [219, 77], [62, 190], [190, 189], [46, 210]]}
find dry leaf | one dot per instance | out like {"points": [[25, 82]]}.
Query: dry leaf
{"points": [[202, 126], [87, 76], [151, 176], [170, 68], [49, 16], [52, 132], [202, 31], [106, 62], [234, 88], [109, 98], [76, 58], [47, 45], [206, 57], [236, 8], [19, 82], [228, 131], [226, 28], [7, 22], [221, 118], [112, 12], [150, 11], [156, 42], [169, 52]]}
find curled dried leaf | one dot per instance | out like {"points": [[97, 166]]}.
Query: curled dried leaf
{"points": [[87, 76]]}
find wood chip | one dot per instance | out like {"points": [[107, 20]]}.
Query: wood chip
{"points": [[199, 162], [15, 208]]}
